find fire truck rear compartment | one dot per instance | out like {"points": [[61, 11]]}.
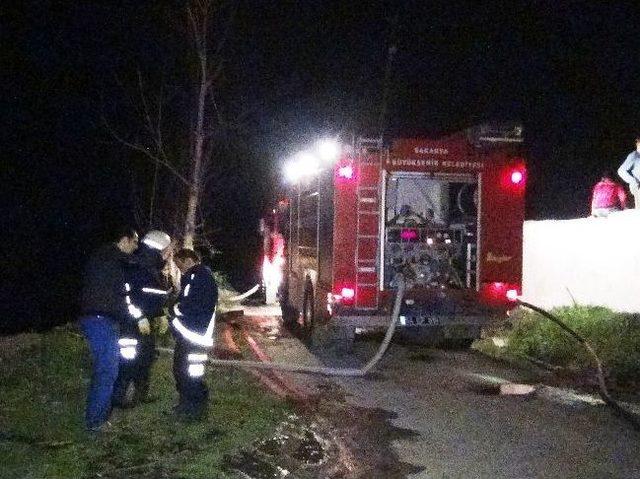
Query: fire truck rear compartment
{"points": [[431, 227]]}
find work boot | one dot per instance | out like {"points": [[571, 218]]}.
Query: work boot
{"points": [[191, 412]]}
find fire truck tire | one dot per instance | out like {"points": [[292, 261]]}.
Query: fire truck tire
{"points": [[308, 309], [289, 313]]}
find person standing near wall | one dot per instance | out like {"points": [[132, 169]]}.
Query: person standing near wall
{"points": [[629, 171], [608, 196], [104, 310]]}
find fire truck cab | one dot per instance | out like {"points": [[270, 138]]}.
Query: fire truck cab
{"points": [[449, 212]]}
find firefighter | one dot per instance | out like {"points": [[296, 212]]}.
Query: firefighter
{"points": [[629, 171], [148, 291], [608, 196], [105, 311], [192, 327]]}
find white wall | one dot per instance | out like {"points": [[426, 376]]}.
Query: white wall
{"points": [[596, 259]]}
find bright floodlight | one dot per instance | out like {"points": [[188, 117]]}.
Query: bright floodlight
{"points": [[303, 164], [293, 171], [308, 162], [328, 150]]}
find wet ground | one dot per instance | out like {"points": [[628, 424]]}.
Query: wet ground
{"points": [[428, 413], [328, 439]]}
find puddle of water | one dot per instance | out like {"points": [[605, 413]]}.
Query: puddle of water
{"points": [[293, 447], [369, 434], [271, 447], [346, 441]]}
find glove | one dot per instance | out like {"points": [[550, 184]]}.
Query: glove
{"points": [[163, 324], [144, 327]]}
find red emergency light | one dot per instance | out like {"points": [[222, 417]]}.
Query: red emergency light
{"points": [[512, 294], [517, 177], [501, 292]]}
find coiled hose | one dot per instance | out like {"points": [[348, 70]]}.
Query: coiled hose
{"points": [[322, 370]]}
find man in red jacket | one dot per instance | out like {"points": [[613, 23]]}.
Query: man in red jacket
{"points": [[607, 196]]}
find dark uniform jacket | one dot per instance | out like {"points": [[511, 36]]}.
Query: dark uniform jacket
{"points": [[148, 291], [196, 304], [103, 292]]}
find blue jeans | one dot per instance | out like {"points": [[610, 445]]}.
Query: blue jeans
{"points": [[102, 335]]}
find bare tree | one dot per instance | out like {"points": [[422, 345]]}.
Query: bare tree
{"points": [[207, 26]]}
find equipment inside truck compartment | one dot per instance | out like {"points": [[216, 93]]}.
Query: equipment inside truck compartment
{"points": [[431, 226]]}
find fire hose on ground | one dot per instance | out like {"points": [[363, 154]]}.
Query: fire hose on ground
{"points": [[322, 370], [353, 372], [602, 385], [240, 297]]}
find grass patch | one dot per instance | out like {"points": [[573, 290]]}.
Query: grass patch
{"points": [[42, 408], [614, 336]]}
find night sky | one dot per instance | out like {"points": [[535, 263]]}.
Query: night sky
{"points": [[292, 71]]}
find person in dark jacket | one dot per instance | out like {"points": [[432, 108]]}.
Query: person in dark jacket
{"points": [[149, 292], [105, 309], [192, 327]]}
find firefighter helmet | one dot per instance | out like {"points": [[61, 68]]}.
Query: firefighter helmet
{"points": [[156, 239]]}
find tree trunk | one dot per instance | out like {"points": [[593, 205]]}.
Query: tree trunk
{"points": [[200, 31]]}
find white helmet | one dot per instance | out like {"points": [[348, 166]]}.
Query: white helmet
{"points": [[156, 239]]}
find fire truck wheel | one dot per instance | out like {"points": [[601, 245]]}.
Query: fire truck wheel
{"points": [[308, 309], [289, 313]]}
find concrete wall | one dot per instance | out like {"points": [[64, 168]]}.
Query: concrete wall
{"points": [[596, 259]]}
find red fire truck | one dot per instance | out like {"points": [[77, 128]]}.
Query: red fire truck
{"points": [[448, 211]]}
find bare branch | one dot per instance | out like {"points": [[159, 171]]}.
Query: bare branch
{"points": [[147, 153], [145, 106]]}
